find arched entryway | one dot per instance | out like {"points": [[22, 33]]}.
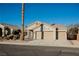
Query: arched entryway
{"points": [[0, 32]]}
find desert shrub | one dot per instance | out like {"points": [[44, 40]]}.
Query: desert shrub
{"points": [[16, 34], [72, 32]]}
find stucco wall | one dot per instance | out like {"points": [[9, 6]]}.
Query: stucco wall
{"points": [[38, 35]]}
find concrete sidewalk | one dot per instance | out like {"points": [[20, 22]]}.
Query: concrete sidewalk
{"points": [[58, 43]]}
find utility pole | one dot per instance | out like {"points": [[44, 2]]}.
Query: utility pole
{"points": [[22, 30]]}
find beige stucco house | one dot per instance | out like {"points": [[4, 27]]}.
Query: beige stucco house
{"points": [[6, 29], [1, 30], [43, 31]]}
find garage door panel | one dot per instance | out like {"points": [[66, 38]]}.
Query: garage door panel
{"points": [[48, 35], [38, 35], [62, 35]]}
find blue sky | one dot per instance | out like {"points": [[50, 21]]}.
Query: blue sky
{"points": [[49, 13]]}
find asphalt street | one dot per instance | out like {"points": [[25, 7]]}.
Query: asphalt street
{"points": [[22, 50]]}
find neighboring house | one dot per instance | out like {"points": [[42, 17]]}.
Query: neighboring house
{"points": [[6, 29], [12, 28], [1, 30], [39, 30]]}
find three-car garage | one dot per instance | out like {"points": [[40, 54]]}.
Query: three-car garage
{"points": [[46, 35]]}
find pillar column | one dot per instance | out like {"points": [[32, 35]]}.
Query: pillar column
{"points": [[3, 32], [66, 35], [11, 31], [33, 35], [54, 34]]}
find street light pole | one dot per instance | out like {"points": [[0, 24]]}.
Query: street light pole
{"points": [[22, 30]]}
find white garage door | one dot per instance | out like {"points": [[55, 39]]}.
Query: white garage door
{"points": [[38, 35], [48, 35], [61, 35]]}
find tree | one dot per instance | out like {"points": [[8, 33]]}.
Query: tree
{"points": [[72, 31]]}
